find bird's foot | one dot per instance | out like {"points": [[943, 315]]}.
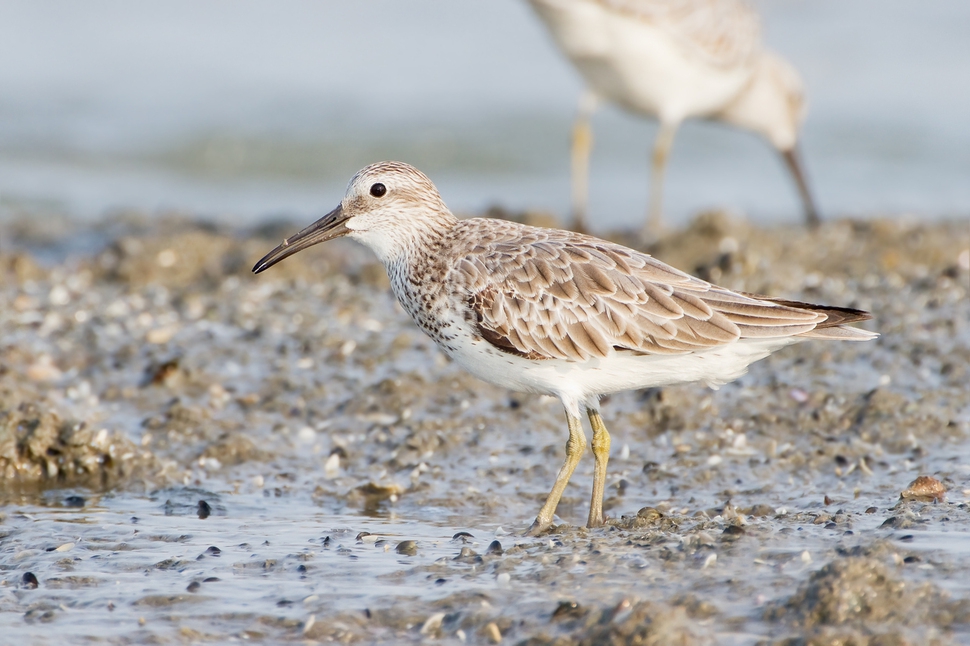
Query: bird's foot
{"points": [[538, 528]]}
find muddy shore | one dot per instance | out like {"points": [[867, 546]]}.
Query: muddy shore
{"points": [[190, 453]]}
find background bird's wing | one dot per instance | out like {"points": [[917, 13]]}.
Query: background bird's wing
{"points": [[548, 294], [725, 32]]}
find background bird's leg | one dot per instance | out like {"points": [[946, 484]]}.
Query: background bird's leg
{"points": [[661, 150], [794, 163], [582, 144], [575, 446], [601, 451]]}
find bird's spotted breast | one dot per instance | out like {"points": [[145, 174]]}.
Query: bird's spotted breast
{"points": [[417, 284]]}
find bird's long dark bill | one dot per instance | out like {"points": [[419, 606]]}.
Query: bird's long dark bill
{"points": [[332, 225], [794, 164]]}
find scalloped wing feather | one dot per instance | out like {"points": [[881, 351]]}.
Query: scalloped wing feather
{"points": [[551, 294]]}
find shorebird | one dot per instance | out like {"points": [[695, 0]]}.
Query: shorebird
{"points": [[676, 60], [557, 312]]}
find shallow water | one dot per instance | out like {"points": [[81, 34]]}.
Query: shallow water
{"points": [[120, 568], [129, 568]]}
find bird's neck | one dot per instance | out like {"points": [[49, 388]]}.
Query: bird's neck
{"points": [[413, 242], [416, 270]]}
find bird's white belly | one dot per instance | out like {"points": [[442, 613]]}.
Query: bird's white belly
{"points": [[578, 381]]}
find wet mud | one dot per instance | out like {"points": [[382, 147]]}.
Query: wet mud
{"points": [[193, 454]]}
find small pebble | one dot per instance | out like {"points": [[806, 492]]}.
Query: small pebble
{"points": [[494, 548], [649, 513], [193, 587], [462, 536], [74, 501], [871, 510], [567, 609], [468, 555], [432, 624], [924, 489], [212, 550], [204, 510], [331, 468], [408, 548], [761, 510], [30, 581], [732, 533], [493, 633]]}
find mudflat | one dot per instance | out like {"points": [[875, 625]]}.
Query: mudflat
{"points": [[189, 452]]}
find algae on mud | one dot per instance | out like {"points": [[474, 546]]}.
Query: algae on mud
{"points": [[145, 371]]}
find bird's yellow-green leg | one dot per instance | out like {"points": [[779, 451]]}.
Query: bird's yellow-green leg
{"points": [[582, 145], [575, 446], [661, 151], [601, 451]]}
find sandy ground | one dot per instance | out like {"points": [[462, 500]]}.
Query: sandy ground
{"points": [[190, 453]]}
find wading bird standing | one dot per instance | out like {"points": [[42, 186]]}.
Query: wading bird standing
{"points": [[557, 312], [676, 60]]}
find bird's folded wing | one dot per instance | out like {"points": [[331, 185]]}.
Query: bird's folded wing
{"points": [[725, 32], [548, 294]]}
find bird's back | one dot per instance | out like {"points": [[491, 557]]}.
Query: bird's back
{"points": [[554, 294]]}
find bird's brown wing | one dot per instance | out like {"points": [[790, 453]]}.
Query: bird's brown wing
{"points": [[725, 32], [549, 294]]}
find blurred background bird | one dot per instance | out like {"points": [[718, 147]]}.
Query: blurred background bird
{"points": [[675, 60], [262, 116]]}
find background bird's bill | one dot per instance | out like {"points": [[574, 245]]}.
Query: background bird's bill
{"points": [[794, 163]]}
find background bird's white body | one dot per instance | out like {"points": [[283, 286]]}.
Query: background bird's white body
{"points": [[675, 60], [639, 64]]}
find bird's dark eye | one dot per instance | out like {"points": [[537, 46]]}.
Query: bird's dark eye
{"points": [[378, 190]]}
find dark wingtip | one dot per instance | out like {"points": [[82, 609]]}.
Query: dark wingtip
{"points": [[836, 315]]}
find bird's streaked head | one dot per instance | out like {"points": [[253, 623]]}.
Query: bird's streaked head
{"points": [[388, 206]]}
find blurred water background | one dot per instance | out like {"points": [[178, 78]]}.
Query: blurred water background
{"points": [[241, 111]]}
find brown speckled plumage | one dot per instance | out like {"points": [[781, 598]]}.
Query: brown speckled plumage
{"points": [[551, 294]]}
